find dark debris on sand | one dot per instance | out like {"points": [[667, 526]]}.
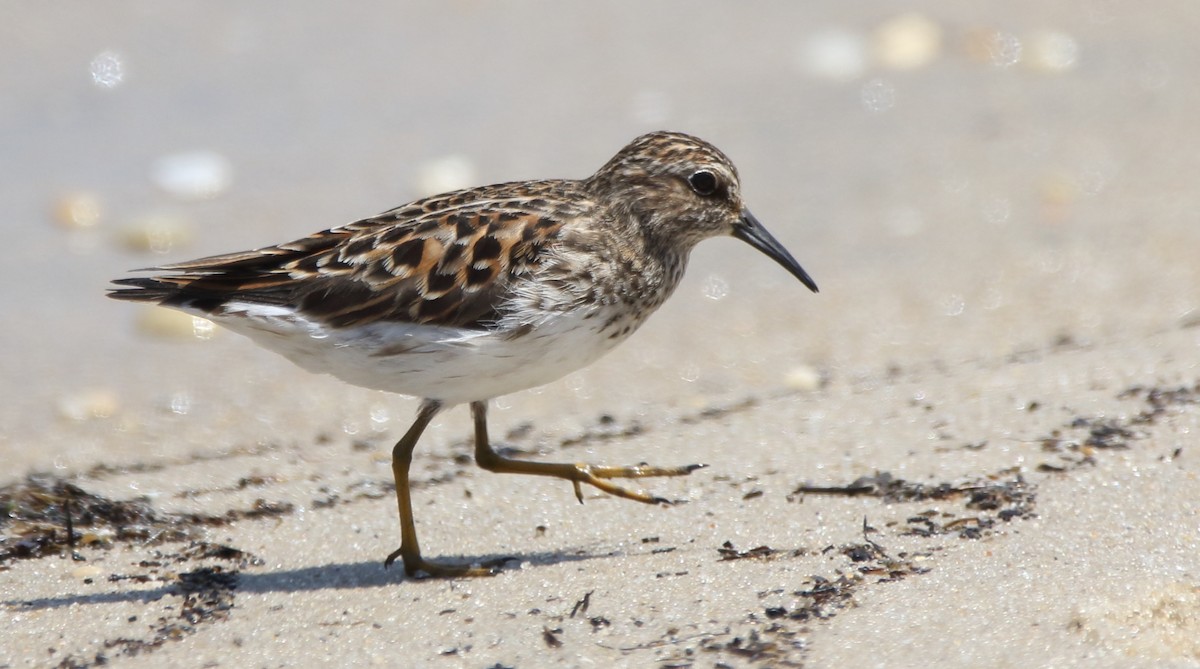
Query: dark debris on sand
{"points": [[1000, 497], [1078, 442], [43, 516]]}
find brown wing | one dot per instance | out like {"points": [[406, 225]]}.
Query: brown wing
{"points": [[447, 260]]}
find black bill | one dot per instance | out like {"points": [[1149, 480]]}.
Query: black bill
{"points": [[752, 232]]}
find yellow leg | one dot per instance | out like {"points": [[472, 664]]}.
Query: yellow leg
{"points": [[576, 473], [410, 550]]}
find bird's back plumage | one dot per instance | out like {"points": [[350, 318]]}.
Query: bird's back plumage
{"points": [[448, 260]]}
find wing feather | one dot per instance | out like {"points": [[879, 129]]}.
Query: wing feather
{"points": [[449, 260]]}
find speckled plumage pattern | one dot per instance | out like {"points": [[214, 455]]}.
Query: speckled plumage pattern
{"points": [[472, 294]]}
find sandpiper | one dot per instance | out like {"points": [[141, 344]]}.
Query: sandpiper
{"points": [[462, 297]]}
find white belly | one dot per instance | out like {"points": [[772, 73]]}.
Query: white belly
{"points": [[448, 364]]}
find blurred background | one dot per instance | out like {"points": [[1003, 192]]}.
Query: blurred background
{"points": [[965, 181]]}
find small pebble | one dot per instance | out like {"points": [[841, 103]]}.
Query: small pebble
{"points": [[445, 174], [907, 42], [1051, 52], [1059, 189], [89, 403], [833, 54], [193, 175], [157, 233], [804, 378], [86, 571], [993, 47], [78, 210], [89, 538], [172, 324]]}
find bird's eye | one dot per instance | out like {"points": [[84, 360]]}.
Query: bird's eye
{"points": [[703, 182]]}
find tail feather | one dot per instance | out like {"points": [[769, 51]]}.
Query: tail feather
{"points": [[201, 292], [205, 284], [145, 289]]}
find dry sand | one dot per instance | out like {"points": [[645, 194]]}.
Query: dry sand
{"points": [[1002, 362]]}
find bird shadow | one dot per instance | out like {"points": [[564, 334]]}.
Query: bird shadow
{"points": [[331, 576]]}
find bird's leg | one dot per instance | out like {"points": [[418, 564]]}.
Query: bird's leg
{"points": [[410, 550], [576, 473]]}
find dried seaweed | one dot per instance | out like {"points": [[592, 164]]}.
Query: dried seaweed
{"points": [[43, 515], [1004, 496]]}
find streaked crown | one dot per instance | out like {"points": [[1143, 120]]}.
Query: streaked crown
{"points": [[677, 186]]}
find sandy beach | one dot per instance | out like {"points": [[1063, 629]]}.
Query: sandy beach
{"points": [[975, 447]]}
